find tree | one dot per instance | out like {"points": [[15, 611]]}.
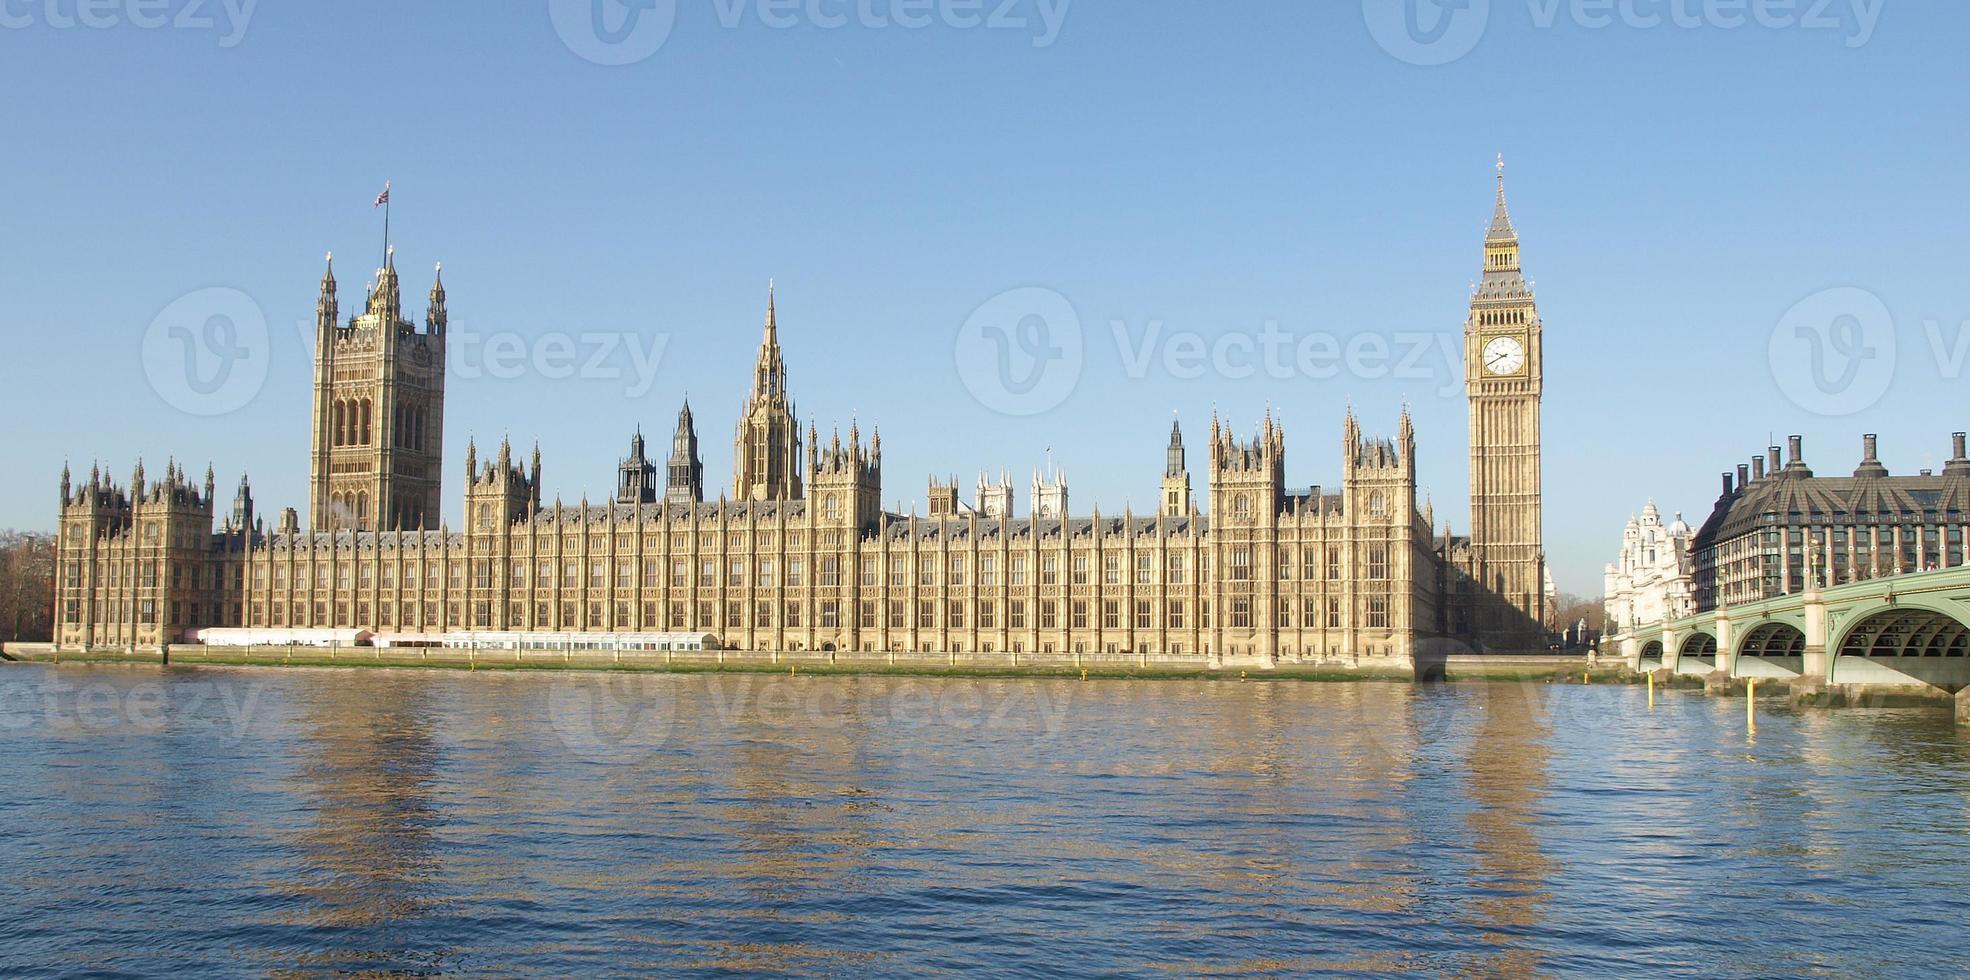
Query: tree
{"points": [[27, 585], [1575, 608]]}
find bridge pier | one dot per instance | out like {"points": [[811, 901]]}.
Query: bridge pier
{"points": [[1816, 667], [1963, 706]]}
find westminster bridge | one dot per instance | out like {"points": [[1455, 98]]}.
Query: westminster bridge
{"points": [[1903, 630]]}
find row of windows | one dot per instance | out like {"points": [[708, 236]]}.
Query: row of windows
{"points": [[1080, 614]]}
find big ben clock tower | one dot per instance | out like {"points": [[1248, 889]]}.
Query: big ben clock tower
{"points": [[1503, 377]]}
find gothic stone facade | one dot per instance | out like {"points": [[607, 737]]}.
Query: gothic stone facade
{"points": [[803, 556]]}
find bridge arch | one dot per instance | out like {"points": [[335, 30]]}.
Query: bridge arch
{"points": [[1771, 649], [1906, 631], [1691, 653], [1903, 643], [1652, 650], [1773, 640]]}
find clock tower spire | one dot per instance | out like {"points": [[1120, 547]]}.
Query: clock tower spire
{"points": [[1504, 370]]}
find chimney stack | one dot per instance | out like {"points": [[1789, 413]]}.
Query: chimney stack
{"points": [[1870, 461], [1727, 484], [1743, 475], [1773, 462], [1959, 463], [1796, 448], [1758, 466]]}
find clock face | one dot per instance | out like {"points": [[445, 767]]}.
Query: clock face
{"points": [[1504, 356]]}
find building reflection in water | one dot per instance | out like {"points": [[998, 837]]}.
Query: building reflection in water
{"points": [[1507, 779], [366, 763]]}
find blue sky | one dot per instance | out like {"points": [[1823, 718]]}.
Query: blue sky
{"points": [[1206, 167]]}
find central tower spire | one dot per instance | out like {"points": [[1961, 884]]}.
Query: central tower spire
{"points": [[766, 452]]}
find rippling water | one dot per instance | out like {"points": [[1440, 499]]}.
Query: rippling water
{"points": [[273, 821]]}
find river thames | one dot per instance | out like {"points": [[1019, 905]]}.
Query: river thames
{"points": [[255, 821]]}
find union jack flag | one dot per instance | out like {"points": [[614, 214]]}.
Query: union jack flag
{"points": [[383, 198]]}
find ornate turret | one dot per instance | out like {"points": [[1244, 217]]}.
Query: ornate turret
{"points": [[684, 483], [636, 478], [242, 516], [943, 497], [1176, 500], [326, 310], [846, 481], [995, 498], [501, 493], [1049, 497], [435, 318], [387, 299]]}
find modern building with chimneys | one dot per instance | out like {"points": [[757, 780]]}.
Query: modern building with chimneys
{"points": [[1779, 526]]}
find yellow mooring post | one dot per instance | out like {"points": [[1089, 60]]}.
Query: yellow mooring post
{"points": [[1751, 704], [1651, 690]]}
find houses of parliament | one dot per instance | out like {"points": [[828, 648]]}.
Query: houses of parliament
{"points": [[801, 555]]}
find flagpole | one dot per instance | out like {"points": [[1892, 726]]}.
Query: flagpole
{"points": [[386, 224]]}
